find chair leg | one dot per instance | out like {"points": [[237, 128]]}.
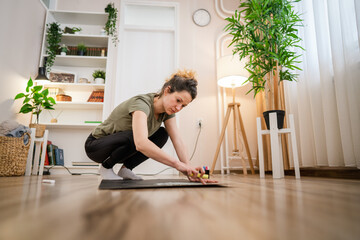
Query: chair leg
{"points": [[36, 158], [260, 148], [274, 140], [237, 110], [42, 159], [294, 146], [221, 138], [30, 154]]}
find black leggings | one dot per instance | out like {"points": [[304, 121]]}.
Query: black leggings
{"points": [[120, 148]]}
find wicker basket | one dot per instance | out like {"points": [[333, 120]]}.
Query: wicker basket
{"points": [[13, 155]]}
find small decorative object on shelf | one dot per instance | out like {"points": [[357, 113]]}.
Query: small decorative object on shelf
{"points": [[73, 30], [83, 80], [99, 76], [97, 96], [63, 77], [55, 119], [54, 34], [64, 49], [63, 98], [110, 26], [35, 101], [81, 49]]}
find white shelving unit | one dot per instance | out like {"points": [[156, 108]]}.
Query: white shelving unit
{"points": [[71, 130]]}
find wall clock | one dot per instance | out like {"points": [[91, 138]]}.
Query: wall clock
{"points": [[201, 17]]}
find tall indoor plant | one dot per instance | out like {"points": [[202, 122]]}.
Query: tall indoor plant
{"points": [[35, 101], [265, 32]]}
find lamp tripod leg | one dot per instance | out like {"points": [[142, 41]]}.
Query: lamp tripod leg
{"points": [[226, 121]]}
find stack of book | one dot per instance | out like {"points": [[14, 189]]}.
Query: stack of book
{"points": [[90, 51], [53, 91], [54, 155], [97, 96], [85, 164]]}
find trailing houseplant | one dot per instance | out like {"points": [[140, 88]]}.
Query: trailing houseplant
{"points": [[110, 26], [265, 32], [35, 100], [54, 34]]}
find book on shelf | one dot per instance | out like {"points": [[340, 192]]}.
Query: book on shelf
{"points": [[96, 96], [53, 91], [59, 156], [54, 147], [49, 148], [93, 122], [85, 164]]}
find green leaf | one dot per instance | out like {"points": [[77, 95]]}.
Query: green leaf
{"points": [[37, 88], [29, 84], [45, 92], [26, 100], [52, 100], [26, 108], [20, 95]]}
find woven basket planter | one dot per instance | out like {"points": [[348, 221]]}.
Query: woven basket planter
{"points": [[13, 155], [40, 129]]}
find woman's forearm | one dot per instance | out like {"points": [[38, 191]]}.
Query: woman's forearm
{"points": [[181, 150], [150, 150]]}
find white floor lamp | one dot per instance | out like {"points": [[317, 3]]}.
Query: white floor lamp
{"points": [[231, 74]]}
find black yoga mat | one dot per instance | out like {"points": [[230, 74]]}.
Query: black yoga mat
{"points": [[153, 183]]}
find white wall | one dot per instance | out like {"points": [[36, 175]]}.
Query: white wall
{"points": [[20, 53], [21, 27]]}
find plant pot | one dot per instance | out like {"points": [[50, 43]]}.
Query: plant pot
{"points": [[81, 53], [40, 129], [63, 53], [280, 114], [99, 81]]}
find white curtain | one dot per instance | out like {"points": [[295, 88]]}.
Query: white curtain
{"points": [[326, 99]]}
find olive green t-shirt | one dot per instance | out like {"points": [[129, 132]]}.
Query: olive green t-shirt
{"points": [[120, 118]]}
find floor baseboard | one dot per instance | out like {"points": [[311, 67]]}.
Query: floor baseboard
{"points": [[325, 172]]}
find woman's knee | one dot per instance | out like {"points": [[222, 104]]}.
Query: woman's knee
{"points": [[160, 137]]}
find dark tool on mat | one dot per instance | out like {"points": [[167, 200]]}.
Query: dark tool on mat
{"points": [[153, 183]]}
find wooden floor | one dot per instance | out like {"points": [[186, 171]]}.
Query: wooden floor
{"points": [[249, 208]]}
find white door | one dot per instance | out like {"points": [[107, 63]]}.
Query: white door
{"points": [[147, 55]]}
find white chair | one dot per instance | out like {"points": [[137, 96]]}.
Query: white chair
{"points": [[36, 168], [275, 143]]}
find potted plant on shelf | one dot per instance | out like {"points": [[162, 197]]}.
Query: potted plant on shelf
{"points": [[35, 101], [266, 34], [73, 30], [81, 49], [110, 26], [64, 49], [99, 76], [54, 34]]}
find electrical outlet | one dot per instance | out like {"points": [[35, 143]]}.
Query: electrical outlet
{"points": [[200, 123]]}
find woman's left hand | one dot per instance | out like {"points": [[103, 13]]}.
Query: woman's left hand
{"points": [[195, 178]]}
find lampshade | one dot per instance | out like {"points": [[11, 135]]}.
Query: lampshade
{"points": [[231, 72], [41, 78], [41, 74]]}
